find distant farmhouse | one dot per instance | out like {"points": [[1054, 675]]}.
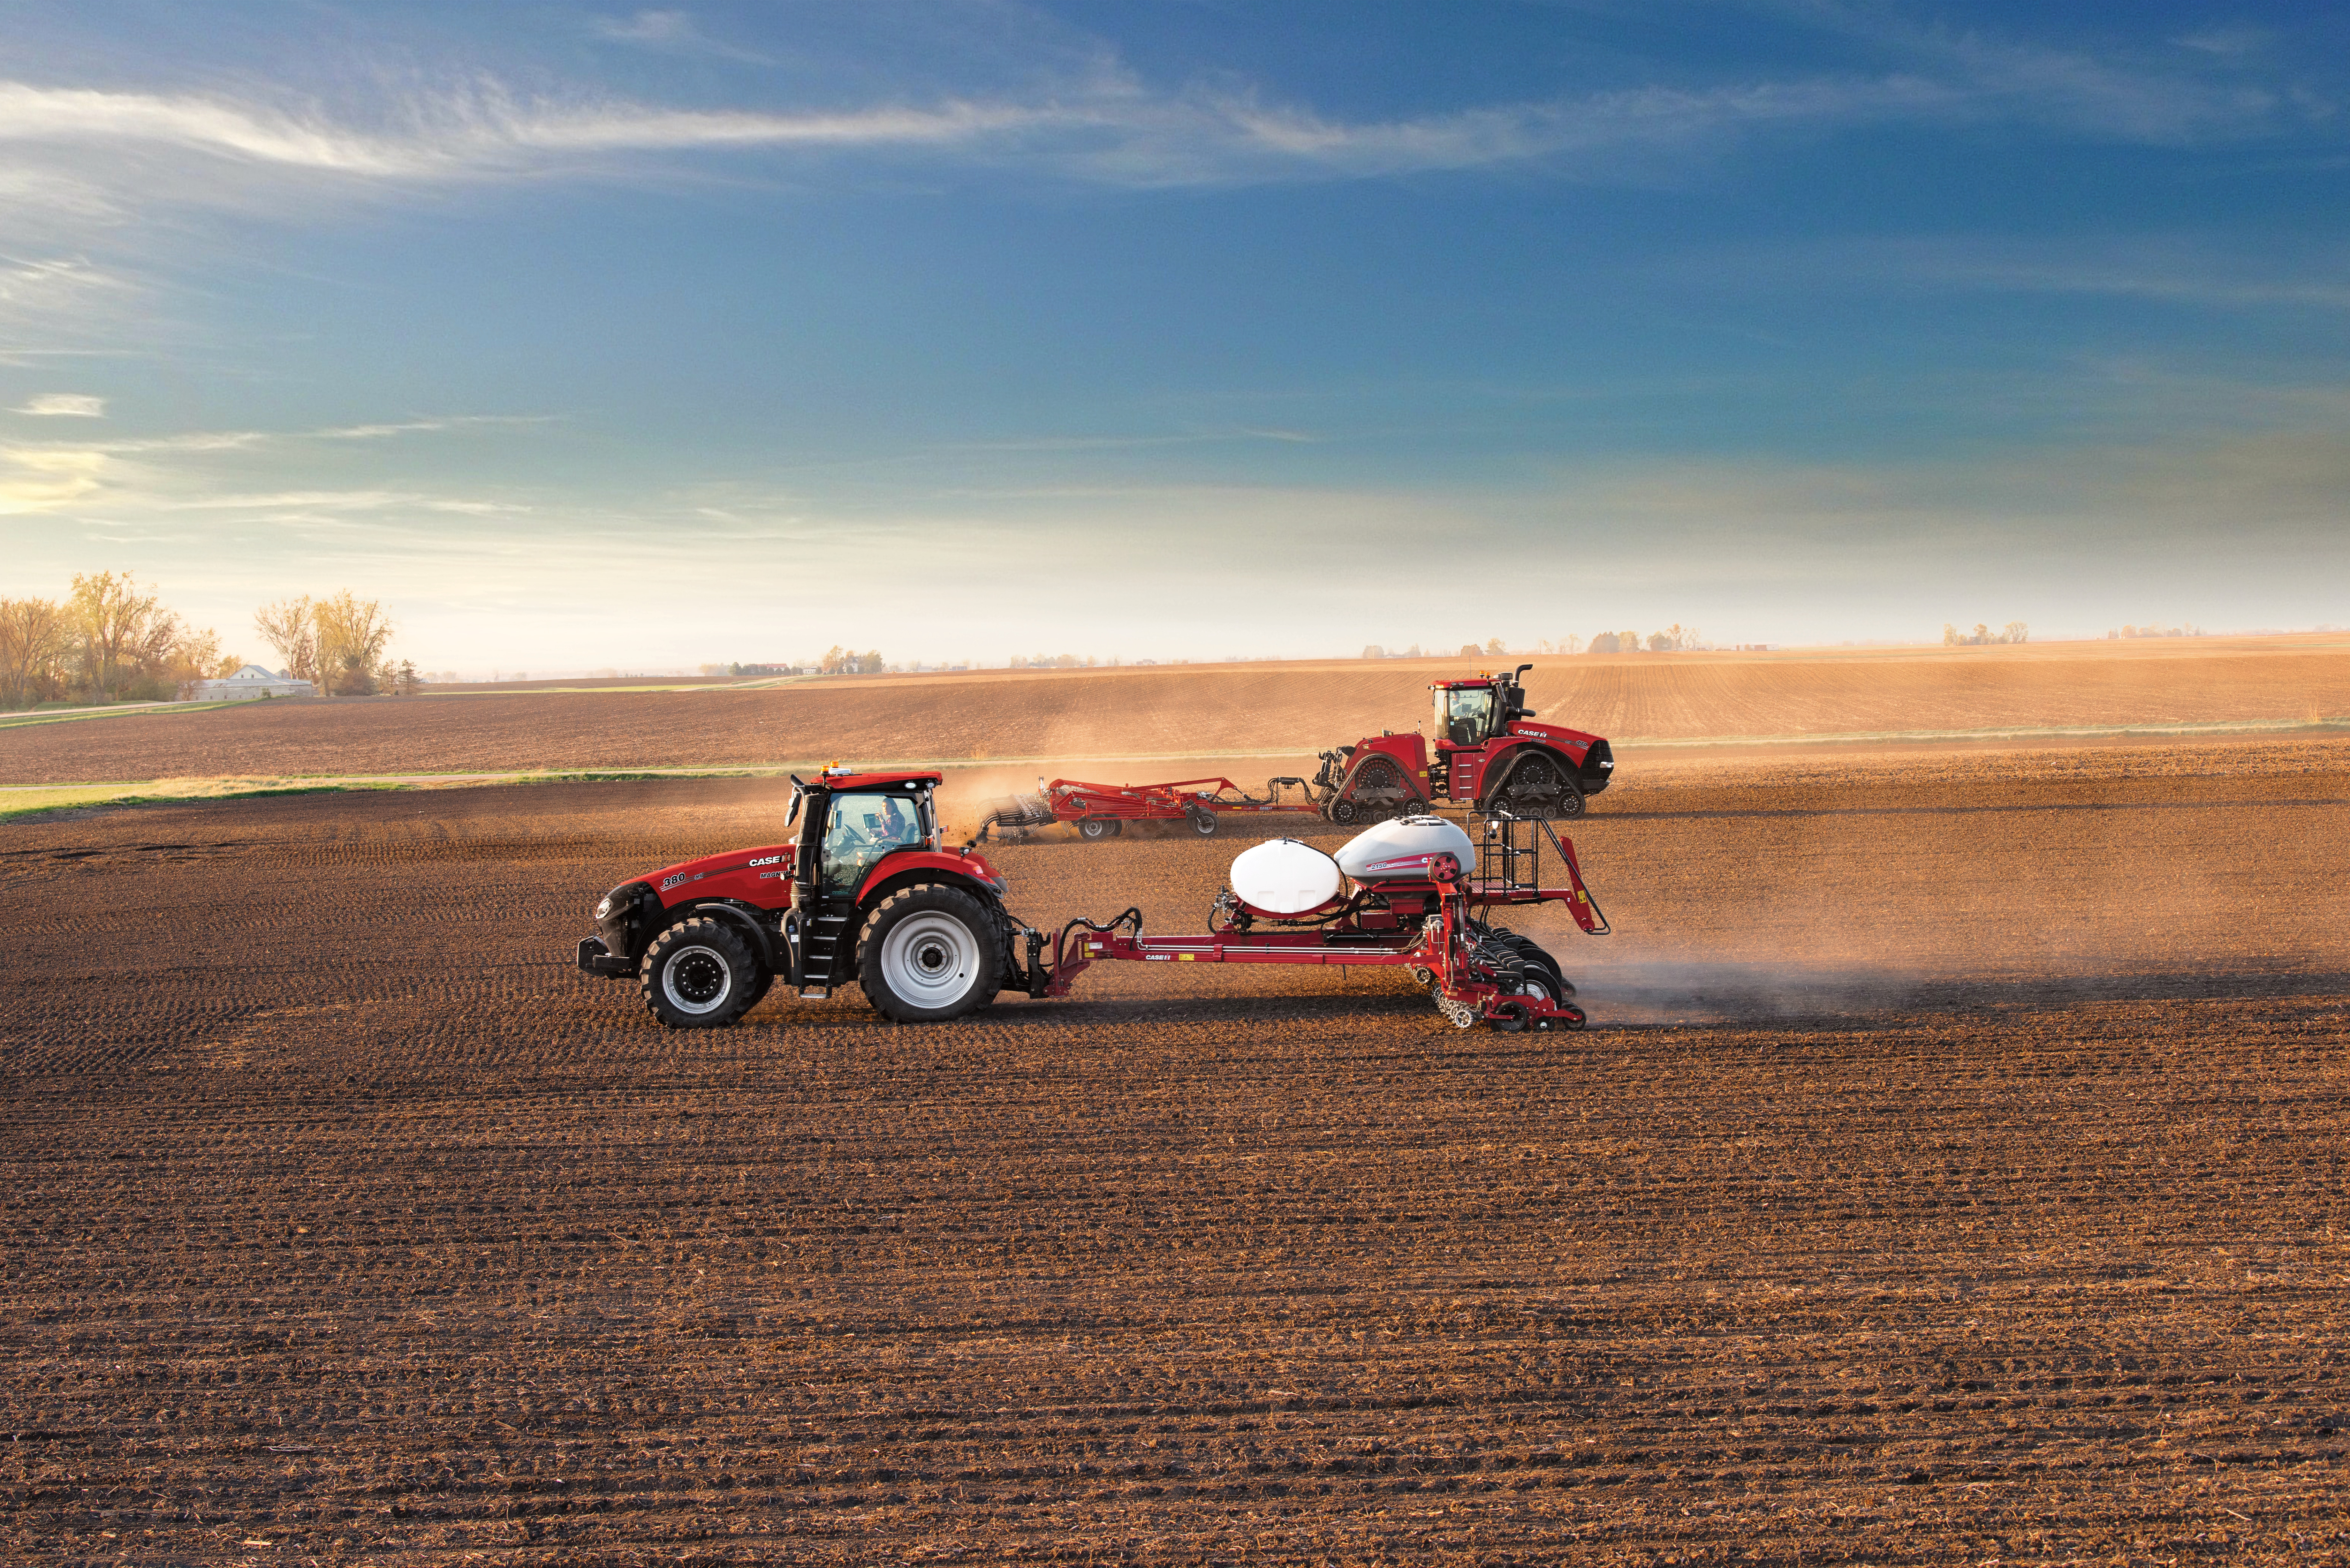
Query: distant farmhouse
{"points": [[250, 681]]}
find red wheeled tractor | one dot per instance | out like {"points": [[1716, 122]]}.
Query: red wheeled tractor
{"points": [[1488, 754], [867, 892]]}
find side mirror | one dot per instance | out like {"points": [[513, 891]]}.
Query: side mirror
{"points": [[799, 791]]}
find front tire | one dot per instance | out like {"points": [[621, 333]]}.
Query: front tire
{"points": [[699, 974], [930, 953]]}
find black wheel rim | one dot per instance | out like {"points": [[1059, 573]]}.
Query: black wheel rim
{"points": [[700, 977]]}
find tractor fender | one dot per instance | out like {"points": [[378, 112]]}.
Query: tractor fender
{"points": [[1410, 760], [762, 938], [1498, 771], [896, 870], [875, 891]]}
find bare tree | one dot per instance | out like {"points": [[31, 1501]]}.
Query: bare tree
{"points": [[198, 657], [352, 633], [123, 632], [34, 636], [2015, 631], [287, 626]]}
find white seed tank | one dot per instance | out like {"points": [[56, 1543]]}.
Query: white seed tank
{"points": [[1283, 877], [1402, 849]]}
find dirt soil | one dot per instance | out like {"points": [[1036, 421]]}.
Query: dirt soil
{"points": [[1955, 1172], [1289, 709]]}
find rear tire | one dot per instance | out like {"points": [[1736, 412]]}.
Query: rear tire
{"points": [[929, 953], [699, 974]]}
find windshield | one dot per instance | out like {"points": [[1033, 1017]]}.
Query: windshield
{"points": [[1462, 717], [861, 829]]}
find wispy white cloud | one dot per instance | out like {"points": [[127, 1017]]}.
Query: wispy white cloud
{"points": [[89, 151], [671, 30], [56, 294], [66, 405], [2173, 271], [337, 501], [184, 471], [479, 131], [2227, 43], [34, 479]]}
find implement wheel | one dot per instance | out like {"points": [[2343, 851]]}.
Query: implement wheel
{"points": [[1095, 827], [1203, 821], [929, 953], [1536, 958]]}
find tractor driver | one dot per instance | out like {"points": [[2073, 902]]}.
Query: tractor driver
{"points": [[862, 829]]}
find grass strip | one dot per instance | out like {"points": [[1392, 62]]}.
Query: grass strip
{"points": [[123, 711]]}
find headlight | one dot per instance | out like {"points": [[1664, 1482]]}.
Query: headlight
{"points": [[604, 905]]}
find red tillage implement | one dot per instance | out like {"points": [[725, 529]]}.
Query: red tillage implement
{"points": [[1100, 811]]}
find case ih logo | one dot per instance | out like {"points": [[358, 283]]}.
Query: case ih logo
{"points": [[764, 860]]}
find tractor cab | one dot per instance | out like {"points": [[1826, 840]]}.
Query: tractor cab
{"points": [[1473, 712], [1464, 713], [854, 822]]}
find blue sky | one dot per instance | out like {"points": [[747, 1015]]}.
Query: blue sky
{"points": [[608, 335]]}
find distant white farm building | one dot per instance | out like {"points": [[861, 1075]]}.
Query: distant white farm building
{"points": [[250, 681]]}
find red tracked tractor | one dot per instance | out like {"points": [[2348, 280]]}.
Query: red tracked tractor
{"points": [[869, 892], [1486, 753]]}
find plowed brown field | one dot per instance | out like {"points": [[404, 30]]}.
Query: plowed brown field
{"points": [[1956, 1174], [1288, 710]]}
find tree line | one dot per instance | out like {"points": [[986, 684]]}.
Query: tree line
{"points": [[107, 641], [1983, 637], [338, 644], [112, 639], [1674, 639]]}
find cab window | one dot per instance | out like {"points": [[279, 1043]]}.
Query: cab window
{"points": [[1464, 718], [861, 829]]}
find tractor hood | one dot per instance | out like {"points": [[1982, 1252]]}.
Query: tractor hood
{"points": [[768, 863], [1574, 742]]}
